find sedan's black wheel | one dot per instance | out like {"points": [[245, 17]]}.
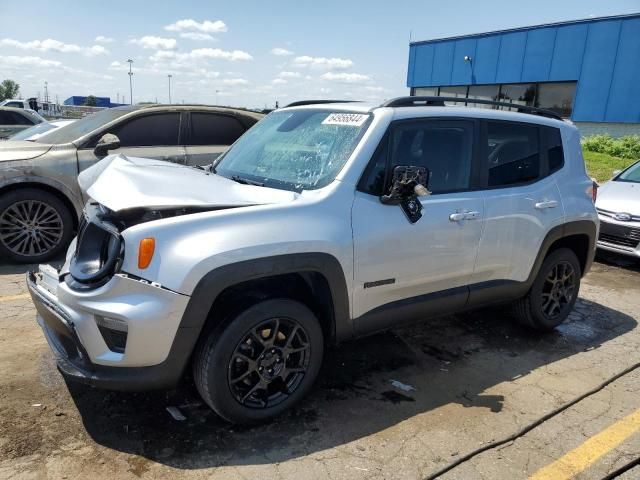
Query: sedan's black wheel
{"points": [[34, 226], [554, 292], [260, 362]]}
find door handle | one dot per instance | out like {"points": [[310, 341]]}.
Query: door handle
{"points": [[459, 216], [546, 204]]}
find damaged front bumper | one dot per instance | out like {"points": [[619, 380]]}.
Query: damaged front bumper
{"points": [[76, 325]]}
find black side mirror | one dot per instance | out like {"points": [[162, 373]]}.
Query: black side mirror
{"points": [[408, 183], [107, 142]]}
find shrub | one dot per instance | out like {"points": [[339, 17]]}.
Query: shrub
{"points": [[623, 147]]}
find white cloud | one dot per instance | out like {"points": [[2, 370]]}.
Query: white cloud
{"points": [[235, 81], [201, 54], [281, 52], [54, 45], [345, 77], [372, 88], [197, 36], [323, 63], [103, 39], [149, 41], [217, 26], [289, 75], [279, 81], [28, 61]]}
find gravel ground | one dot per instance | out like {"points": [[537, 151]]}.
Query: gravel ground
{"points": [[476, 378]]}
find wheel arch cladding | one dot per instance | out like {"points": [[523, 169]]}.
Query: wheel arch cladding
{"points": [[578, 236], [319, 280]]}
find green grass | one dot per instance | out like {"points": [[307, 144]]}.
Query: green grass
{"points": [[601, 166]]}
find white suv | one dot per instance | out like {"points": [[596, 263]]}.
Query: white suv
{"points": [[322, 223]]}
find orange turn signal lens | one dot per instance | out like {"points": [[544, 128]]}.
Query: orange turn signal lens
{"points": [[145, 252]]}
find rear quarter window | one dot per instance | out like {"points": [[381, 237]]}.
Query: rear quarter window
{"points": [[555, 152]]}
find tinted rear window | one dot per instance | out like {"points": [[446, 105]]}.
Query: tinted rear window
{"points": [[514, 153], [214, 129]]}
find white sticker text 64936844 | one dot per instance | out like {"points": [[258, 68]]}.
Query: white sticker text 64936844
{"points": [[346, 119]]}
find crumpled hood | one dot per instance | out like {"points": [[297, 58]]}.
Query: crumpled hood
{"points": [[619, 197], [119, 183], [21, 150]]}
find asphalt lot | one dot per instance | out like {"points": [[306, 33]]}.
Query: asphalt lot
{"points": [[475, 379]]}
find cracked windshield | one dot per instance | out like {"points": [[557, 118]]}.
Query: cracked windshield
{"points": [[295, 150]]}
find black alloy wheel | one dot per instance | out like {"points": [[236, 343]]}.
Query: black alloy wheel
{"points": [[553, 293], [260, 361], [559, 289], [269, 363]]}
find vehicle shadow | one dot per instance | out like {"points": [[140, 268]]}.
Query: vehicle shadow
{"points": [[448, 360], [616, 260]]}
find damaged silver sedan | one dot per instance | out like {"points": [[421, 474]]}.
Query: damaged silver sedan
{"points": [[40, 200]]}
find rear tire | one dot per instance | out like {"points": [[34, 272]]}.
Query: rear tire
{"points": [[259, 362], [553, 294], [35, 225]]}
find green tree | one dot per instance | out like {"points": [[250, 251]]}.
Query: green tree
{"points": [[9, 89], [91, 101]]}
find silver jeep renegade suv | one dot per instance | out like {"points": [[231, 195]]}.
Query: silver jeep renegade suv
{"points": [[322, 223]]}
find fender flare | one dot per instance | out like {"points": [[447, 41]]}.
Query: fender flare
{"points": [[216, 281], [579, 227]]}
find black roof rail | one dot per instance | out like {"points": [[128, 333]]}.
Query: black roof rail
{"points": [[421, 101], [317, 102]]}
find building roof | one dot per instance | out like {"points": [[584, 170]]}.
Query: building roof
{"points": [[531, 27]]}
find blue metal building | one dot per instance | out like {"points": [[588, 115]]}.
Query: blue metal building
{"points": [[588, 70], [100, 101]]}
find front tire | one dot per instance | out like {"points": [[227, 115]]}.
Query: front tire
{"points": [[259, 362], [35, 226], [553, 294]]}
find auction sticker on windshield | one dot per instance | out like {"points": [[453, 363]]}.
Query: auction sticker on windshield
{"points": [[347, 119]]}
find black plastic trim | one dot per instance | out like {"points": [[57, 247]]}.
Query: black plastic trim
{"points": [[219, 279], [409, 310], [421, 101]]}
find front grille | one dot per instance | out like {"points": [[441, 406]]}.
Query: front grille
{"points": [[611, 214], [98, 254], [619, 235]]}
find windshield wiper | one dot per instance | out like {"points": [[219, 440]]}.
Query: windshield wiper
{"points": [[246, 181]]}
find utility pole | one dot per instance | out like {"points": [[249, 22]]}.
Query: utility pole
{"points": [[217, 92], [46, 92], [169, 77], [130, 82]]}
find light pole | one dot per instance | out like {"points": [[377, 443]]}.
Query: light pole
{"points": [[130, 82], [169, 77], [217, 92]]}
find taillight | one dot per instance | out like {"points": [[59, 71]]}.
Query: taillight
{"points": [[592, 191]]}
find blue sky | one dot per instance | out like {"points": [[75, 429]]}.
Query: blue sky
{"points": [[251, 52]]}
